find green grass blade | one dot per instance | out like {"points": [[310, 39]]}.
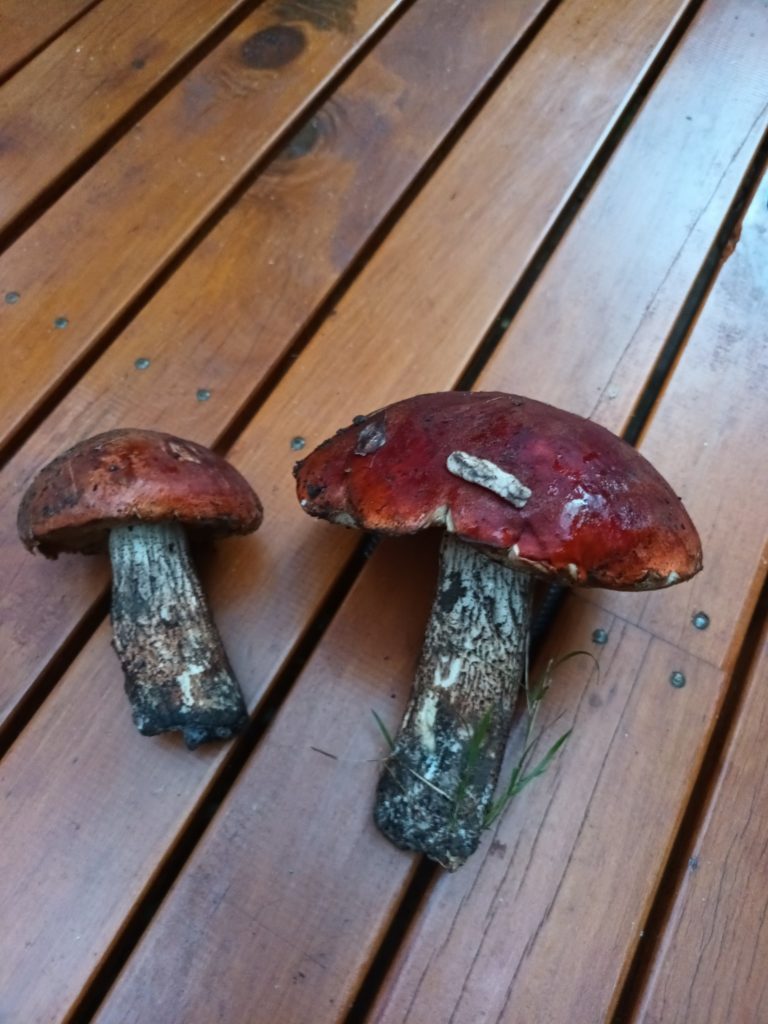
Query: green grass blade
{"points": [[384, 730]]}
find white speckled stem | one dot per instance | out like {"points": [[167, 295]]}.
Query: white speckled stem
{"points": [[177, 676], [439, 780]]}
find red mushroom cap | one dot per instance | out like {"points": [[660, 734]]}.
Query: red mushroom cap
{"points": [[598, 512], [132, 476]]}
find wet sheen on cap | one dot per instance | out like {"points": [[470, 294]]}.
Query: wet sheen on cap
{"points": [[133, 476], [536, 486]]}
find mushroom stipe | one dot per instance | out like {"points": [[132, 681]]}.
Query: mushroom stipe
{"points": [[435, 793], [522, 489]]}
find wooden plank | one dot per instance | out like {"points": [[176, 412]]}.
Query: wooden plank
{"points": [[89, 78], [700, 433], [264, 591], [368, 142], [637, 746], [26, 28], [244, 336], [711, 959], [713, 950], [76, 897], [295, 877], [155, 187], [724, 472]]}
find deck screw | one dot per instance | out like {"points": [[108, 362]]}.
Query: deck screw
{"points": [[60, 323], [142, 363], [600, 636], [677, 679], [700, 620], [297, 443], [203, 394], [12, 298]]}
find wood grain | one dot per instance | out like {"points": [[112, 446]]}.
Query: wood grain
{"points": [[76, 89], [705, 437], [309, 883], [225, 338], [266, 587], [70, 898], [26, 28], [709, 965], [210, 326], [706, 967], [138, 205], [710, 396], [647, 226]]}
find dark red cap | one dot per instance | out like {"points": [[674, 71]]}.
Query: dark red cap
{"points": [[538, 487], [132, 476]]}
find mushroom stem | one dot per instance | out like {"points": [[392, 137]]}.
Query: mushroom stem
{"points": [[438, 784], [177, 676]]}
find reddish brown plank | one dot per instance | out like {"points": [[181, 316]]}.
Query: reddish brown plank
{"points": [[710, 964], [724, 473], [244, 335], [90, 77], [136, 815], [26, 27], [155, 186]]}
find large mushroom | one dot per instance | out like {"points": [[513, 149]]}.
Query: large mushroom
{"points": [[137, 493], [521, 489]]}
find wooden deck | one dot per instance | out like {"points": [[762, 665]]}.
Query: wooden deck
{"points": [[244, 223]]}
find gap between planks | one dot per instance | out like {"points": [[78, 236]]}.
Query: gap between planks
{"points": [[658, 923], [48, 25]]}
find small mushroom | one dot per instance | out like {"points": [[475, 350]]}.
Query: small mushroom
{"points": [[522, 489], [137, 493]]}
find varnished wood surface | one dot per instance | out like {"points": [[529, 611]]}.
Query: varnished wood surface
{"points": [[709, 964], [377, 241], [586, 880], [709, 960], [66, 98], [333, 168], [27, 28], [137, 206], [112, 393]]}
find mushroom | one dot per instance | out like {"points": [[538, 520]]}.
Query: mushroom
{"points": [[522, 489], [138, 492]]}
